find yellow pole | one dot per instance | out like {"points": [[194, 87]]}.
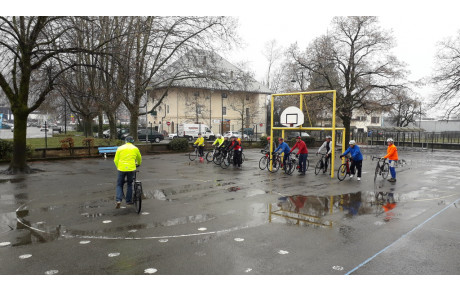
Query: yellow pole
{"points": [[333, 133], [343, 143], [271, 132]]}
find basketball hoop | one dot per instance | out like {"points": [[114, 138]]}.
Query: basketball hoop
{"points": [[291, 124]]}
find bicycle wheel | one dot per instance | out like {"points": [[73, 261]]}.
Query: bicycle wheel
{"points": [[276, 165], [192, 155], [243, 158], [307, 163], [290, 167], [209, 156], [217, 159], [377, 171], [137, 197], [263, 163], [386, 169], [319, 166], [225, 162], [342, 172]]}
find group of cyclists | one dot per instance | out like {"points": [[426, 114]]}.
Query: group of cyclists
{"points": [[128, 157], [223, 146]]}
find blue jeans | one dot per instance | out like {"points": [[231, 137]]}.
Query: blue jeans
{"points": [[121, 183], [303, 162], [392, 169]]}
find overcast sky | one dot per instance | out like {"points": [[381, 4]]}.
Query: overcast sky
{"points": [[416, 25]]}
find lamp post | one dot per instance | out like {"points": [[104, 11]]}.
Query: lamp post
{"points": [[222, 121]]}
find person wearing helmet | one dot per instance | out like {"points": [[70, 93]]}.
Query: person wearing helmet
{"points": [[284, 148], [126, 159], [217, 143], [200, 143], [392, 156], [267, 146], [328, 147], [237, 149], [356, 158], [302, 153]]}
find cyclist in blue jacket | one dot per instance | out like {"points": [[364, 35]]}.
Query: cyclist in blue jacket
{"points": [[356, 158], [284, 147]]}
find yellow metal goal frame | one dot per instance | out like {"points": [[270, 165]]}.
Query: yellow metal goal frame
{"points": [[301, 128]]}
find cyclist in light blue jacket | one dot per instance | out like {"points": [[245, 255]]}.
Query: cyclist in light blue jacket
{"points": [[284, 147], [356, 158]]}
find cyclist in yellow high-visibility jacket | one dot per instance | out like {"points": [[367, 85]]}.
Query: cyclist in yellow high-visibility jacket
{"points": [[219, 140], [200, 142], [126, 159]]}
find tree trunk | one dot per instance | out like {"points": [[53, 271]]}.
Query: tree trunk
{"points": [[134, 120], [87, 126], [346, 124], [100, 128], [112, 125], [18, 162]]}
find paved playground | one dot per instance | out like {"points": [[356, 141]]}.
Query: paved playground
{"points": [[198, 218]]}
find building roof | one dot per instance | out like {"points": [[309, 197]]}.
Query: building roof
{"points": [[207, 70]]}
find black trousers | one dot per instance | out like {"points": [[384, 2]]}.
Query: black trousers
{"points": [[358, 165], [237, 158]]}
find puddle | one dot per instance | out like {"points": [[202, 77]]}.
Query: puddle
{"points": [[322, 211], [12, 181]]}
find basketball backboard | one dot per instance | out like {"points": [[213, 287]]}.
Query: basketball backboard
{"points": [[292, 117]]}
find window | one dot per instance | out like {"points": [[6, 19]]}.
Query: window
{"points": [[247, 97], [224, 110], [362, 118], [375, 119], [247, 111]]}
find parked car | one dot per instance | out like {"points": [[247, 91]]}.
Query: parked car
{"points": [[294, 134], [172, 135], [153, 136], [120, 133], [229, 134], [245, 136]]}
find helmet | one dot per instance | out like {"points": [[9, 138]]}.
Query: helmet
{"points": [[352, 142], [298, 137], [390, 140], [268, 138], [233, 136], [328, 136], [129, 139], [218, 135]]}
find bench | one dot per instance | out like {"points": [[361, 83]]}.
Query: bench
{"points": [[107, 150]]}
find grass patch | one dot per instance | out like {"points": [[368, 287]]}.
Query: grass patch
{"points": [[53, 142]]}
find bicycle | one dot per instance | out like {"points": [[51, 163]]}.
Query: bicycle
{"points": [[211, 154], [321, 164], [381, 169], [292, 163], [227, 159], [263, 162], [194, 154], [137, 193], [276, 162], [344, 169]]}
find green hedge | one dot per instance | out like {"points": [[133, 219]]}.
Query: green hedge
{"points": [[178, 145], [6, 150]]}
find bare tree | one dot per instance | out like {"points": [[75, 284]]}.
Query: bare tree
{"points": [[447, 75], [158, 42], [29, 50], [405, 109], [355, 60], [272, 52]]}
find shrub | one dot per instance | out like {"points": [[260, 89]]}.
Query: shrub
{"points": [[178, 145], [6, 150], [88, 142]]}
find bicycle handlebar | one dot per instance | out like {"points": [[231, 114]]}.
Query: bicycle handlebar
{"points": [[378, 158]]}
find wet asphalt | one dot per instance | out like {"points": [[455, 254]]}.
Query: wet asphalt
{"points": [[198, 218]]}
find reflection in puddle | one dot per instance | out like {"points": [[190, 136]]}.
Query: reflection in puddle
{"points": [[316, 210], [200, 218]]}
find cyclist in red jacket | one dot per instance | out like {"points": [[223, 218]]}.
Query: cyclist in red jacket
{"points": [[302, 153]]}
